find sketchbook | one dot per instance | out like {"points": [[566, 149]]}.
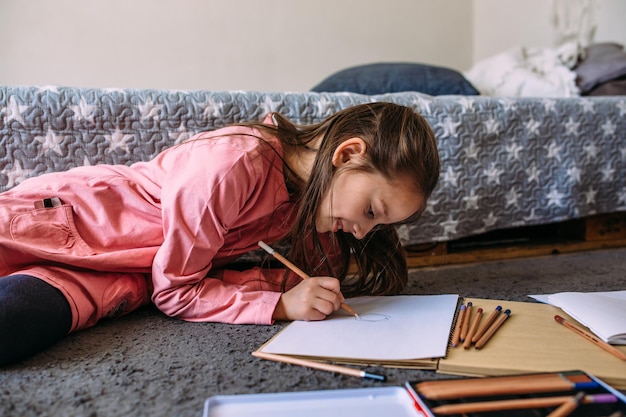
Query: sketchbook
{"points": [[604, 313], [404, 330], [532, 341], [529, 341]]}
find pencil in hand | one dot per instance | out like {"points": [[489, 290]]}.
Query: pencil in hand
{"points": [[298, 271]]}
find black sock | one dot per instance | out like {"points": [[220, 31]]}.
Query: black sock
{"points": [[33, 316]]}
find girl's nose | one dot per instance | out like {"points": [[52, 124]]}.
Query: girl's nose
{"points": [[362, 229]]}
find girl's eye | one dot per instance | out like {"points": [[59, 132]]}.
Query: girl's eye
{"points": [[370, 213]]}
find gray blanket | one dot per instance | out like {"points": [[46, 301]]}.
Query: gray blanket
{"points": [[505, 162]]}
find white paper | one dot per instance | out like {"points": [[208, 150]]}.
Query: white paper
{"points": [[401, 327], [604, 313]]}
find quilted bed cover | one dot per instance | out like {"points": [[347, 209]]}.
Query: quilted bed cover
{"points": [[506, 162]]}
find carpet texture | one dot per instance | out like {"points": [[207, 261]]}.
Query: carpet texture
{"points": [[148, 364]]}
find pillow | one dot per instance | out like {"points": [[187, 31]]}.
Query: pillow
{"points": [[616, 87], [603, 62], [383, 78]]}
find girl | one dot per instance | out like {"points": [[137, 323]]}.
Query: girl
{"points": [[101, 241]]}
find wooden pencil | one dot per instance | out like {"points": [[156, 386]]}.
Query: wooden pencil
{"points": [[456, 337], [568, 406], [466, 321], [473, 328], [517, 404], [319, 365], [492, 317], [592, 338], [492, 329], [505, 385], [298, 271]]}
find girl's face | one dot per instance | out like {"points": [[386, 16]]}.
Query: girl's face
{"points": [[358, 201]]}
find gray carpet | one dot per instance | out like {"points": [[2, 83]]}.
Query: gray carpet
{"points": [[149, 364]]}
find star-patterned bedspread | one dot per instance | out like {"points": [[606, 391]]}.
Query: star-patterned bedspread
{"points": [[506, 162]]}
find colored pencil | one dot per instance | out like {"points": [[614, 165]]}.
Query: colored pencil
{"points": [[459, 323], [568, 406], [492, 317], [492, 329], [319, 365], [592, 338], [505, 385], [518, 404], [298, 271], [466, 321], [472, 330]]}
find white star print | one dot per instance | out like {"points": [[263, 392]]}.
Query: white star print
{"points": [[533, 174], [590, 196], [491, 125], [118, 140], [423, 105], [180, 135], [466, 104], [549, 104], [574, 174], [532, 126], [587, 106], [490, 220], [513, 149], [471, 201], [15, 174], [14, 111], [622, 108], [607, 174], [608, 128], [493, 174], [555, 197], [212, 109], [471, 151], [449, 127], [51, 141], [325, 106], [83, 110], [449, 226], [149, 109], [512, 198], [450, 177], [554, 151], [571, 127], [591, 151]]}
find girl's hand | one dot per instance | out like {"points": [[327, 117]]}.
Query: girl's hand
{"points": [[311, 299]]}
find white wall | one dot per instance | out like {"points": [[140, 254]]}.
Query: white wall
{"points": [[222, 44], [503, 24], [268, 45]]}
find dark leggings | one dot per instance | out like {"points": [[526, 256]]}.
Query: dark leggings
{"points": [[33, 316]]}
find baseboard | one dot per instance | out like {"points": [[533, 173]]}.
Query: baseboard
{"points": [[590, 233]]}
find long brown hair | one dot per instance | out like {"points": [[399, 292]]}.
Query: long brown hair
{"points": [[399, 142]]}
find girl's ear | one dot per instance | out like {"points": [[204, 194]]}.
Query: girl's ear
{"points": [[350, 150]]}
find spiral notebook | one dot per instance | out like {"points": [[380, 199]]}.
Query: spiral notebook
{"points": [[529, 341]]}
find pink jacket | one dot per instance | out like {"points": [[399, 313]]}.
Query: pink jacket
{"points": [[176, 219]]}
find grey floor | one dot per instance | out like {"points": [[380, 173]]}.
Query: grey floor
{"points": [[149, 364]]}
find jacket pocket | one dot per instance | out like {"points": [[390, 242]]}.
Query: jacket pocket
{"points": [[50, 230]]}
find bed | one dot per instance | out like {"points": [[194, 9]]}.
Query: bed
{"points": [[506, 162]]}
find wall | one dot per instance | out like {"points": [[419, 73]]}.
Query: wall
{"points": [[268, 45], [502, 24], [222, 44]]}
